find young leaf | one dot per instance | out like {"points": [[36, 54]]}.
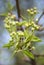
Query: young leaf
{"points": [[29, 54], [6, 46], [36, 39]]}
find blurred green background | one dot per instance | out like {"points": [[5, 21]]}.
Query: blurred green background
{"points": [[4, 35]]}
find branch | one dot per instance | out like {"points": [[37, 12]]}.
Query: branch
{"points": [[40, 17], [18, 9], [38, 55]]}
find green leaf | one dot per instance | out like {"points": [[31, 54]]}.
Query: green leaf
{"points": [[28, 39], [9, 6], [29, 54], [26, 32], [4, 14], [6, 46], [36, 39]]}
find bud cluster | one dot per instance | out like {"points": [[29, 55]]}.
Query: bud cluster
{"points": [[21, 39], [32, 11]]}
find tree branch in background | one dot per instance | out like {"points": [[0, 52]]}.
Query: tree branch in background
{"points": [[40, 16], [38, 55], [41, 26], [18, 9]]}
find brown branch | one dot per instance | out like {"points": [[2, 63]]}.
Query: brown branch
{"points": [[38, 55], [18, 9]]}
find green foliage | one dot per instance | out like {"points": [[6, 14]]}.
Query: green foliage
{"points": [[9, 7], [22, 40]]}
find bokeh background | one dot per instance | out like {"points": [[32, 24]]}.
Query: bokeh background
{"points": [[4, 35]]}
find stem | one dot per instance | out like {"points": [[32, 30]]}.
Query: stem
{"points": [[33, 62]]}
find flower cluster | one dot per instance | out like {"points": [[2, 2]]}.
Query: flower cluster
{"points": [[21, 40], [32, 11]]}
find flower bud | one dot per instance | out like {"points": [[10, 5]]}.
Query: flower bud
{"points": [[35, 8], [12, 34], [32, 13], [37, 27], [13, 17], [32, 23], [26, 24], [33, 29], [13, 23], [36, 20], [20, 33], [28, 11], [7, 26], [33, 48], [35, 11], [31, 10]]}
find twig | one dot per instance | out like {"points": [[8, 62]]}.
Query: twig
{"points": [[40, 17], [38, 55], [41, 28]]}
